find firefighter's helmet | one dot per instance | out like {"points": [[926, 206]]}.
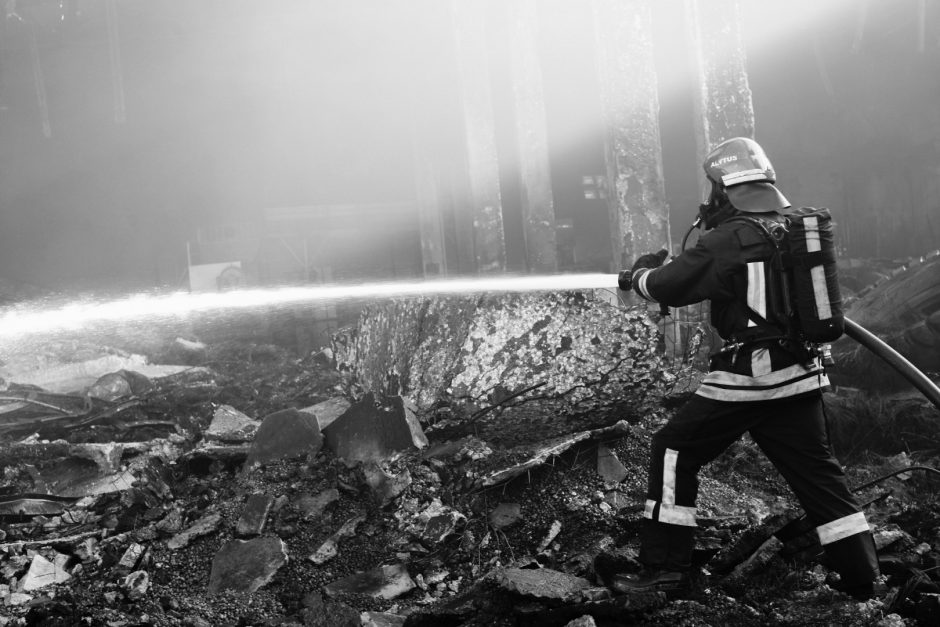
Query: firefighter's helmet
{"points": [[740, 167]]}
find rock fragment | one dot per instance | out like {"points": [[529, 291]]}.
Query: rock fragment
{"points": [[230, 425], [328, 411], [283, 435], [385, 582], [44, 573], [505, 515], [117, 385], [367, 433], [246, 565], [254, 515], [893, 536], [609, 466], [205, 525], [386, 487], [131, 557], [136, 584], [553, 532], [330, 548], [542, 583]]}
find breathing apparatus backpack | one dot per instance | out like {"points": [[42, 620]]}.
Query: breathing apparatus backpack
{"points": [[804, 266]]}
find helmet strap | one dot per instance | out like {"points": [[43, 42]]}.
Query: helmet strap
{"points": [[717, 208]]}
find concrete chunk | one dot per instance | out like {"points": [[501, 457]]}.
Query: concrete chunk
{"points": [[542, 583], [609, 466], [230, 425], [386, 487], [328, 411], [366, 432], [384, 582], [44, 573], [136, 585], [131, 557], [285, 434], [246, 565], [205, 525], [330, 548], [254, 515]]}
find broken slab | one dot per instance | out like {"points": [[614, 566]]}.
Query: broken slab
{"points": [[330, 547], [254, 515], [285, 434], [108, 484], [204, 526], [230, 425], [44, 573], [131, 557], [385, 487], [367, 432], [609, 466], [328, 411], [385, 582], [244, 566], [540, 583]]}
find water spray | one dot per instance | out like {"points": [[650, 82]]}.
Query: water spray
{"points": [[31, 318]]}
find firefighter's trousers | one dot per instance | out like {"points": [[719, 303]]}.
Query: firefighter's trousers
{"points": [[792, 433]]}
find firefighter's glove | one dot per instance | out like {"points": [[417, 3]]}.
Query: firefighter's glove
{"points": [[650, 261], [625, 280]]}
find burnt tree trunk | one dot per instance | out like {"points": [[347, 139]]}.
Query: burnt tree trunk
{"points": [[483, 204], [639, 216]]}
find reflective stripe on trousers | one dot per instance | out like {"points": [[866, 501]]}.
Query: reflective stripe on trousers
{"points": [[667, 510], [840, 528]]}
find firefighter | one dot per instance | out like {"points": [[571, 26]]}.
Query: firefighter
{"points": [[758, 383]]}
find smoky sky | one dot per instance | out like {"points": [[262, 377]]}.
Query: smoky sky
{"points": [[222, 108]]}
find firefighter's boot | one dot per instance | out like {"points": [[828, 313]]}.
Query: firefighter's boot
{"points": [[856, 561], [665, 552]]}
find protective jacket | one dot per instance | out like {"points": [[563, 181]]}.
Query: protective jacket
{"points": [[730, 266]]}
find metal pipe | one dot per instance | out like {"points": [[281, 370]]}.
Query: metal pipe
{"points": [[894, 359]]}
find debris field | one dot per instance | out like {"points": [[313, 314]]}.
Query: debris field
{"points": [[445, 462]]}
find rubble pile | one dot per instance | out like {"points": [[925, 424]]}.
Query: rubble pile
{"points": [[256, 488]]}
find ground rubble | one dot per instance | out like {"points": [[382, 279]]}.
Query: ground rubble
{"points": [[254, 488]]}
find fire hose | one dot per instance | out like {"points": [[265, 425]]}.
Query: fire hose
{"points": [[894, 359]]}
